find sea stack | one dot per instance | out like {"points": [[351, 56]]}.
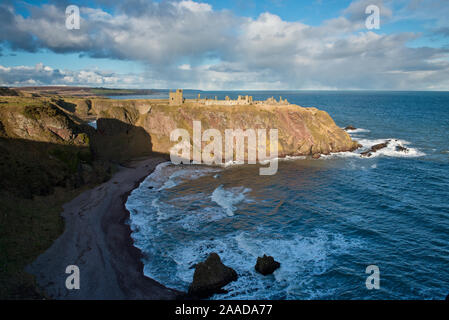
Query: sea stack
{"points": [[266, 265], [210, 276]]}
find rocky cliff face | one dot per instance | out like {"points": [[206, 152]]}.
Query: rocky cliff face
{"points": [[129, 129], [40, 122], [301, 131], [43, 147]]}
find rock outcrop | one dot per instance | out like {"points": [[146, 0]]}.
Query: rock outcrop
{"points": [[350, 128], [375, 148], [42, 121], [301, 131], [43, 147], [210, 276], [266, 265], [401, 149]]}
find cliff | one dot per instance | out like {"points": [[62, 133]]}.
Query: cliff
{"points": [[301, 131], [48, 143], [43, 147]]}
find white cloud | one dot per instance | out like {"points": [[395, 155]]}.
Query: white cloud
{"points": [[185, 67], [194, 6], [219, 50], [45, 75]]}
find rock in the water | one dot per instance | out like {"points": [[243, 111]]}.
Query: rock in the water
{"points": [[266, 265], [401, 149], [379, 146], [210, 276], [316, 156], [350, 128], [366, 154], [375, 148]]}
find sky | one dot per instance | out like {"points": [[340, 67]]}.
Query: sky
{"points": [[227, 45]]}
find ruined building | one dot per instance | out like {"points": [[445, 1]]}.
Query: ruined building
{"points": [[175, 98]]}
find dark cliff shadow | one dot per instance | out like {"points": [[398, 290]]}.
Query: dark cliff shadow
{"points": [[36, 179], [32, 168], [29, 168], [68, 106], [118, 141]]}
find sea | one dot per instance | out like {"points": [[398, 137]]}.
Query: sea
{"points": [[325, 220]]}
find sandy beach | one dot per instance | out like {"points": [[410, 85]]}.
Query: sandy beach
{"points": [[97, 240]]}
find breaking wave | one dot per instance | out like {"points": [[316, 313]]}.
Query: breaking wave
{"points": [[393, 149], [227, 199]]}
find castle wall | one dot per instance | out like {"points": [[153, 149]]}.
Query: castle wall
{"points": [[175, 98]]}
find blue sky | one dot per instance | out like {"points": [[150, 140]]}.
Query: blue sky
{"points": [[235, 44]]}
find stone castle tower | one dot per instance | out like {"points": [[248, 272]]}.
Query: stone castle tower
{"points": [[175, 98]]}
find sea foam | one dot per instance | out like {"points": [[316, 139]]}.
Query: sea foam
{"points": [[389, 151], [227, 199]]}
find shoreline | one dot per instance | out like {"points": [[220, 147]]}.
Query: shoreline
{"points": [[97, 239]]}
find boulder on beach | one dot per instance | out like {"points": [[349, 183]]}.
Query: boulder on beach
{"points": [[350, 128], [210, 276], [266, 265]]}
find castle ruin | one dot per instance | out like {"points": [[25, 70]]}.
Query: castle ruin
{"points": [[176, 99]]}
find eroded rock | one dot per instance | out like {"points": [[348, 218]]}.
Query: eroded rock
{"points": [[401, 149], [210, 276], [350, 128], [379, 146], [266, 265], [375, 148]]}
